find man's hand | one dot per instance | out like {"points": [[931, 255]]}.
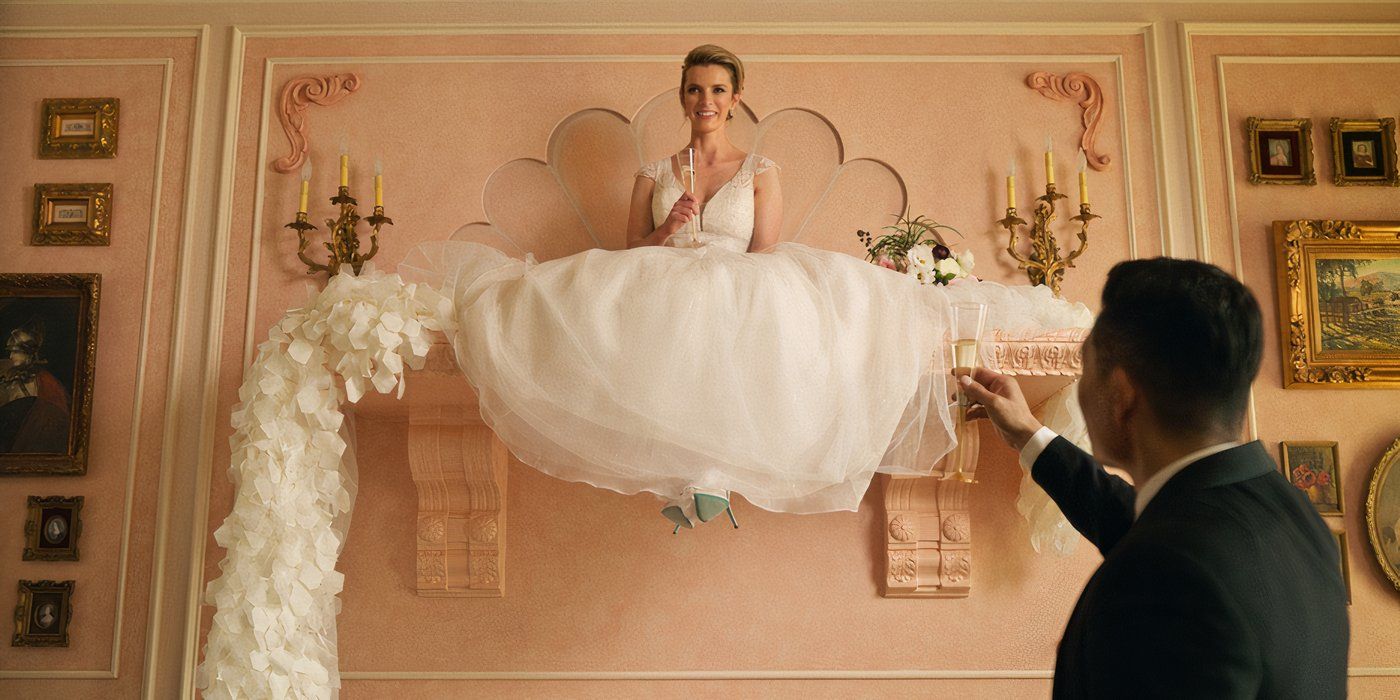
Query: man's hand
{"points": [[998, 397]]}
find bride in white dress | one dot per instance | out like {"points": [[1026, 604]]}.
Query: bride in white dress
{"points": [[699, 366]]}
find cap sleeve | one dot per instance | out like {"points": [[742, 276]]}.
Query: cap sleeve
{"points": [[651, 171], [763, 164]]}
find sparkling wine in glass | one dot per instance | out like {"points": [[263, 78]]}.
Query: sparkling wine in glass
{"points": [[969, 318], [688, 176]]}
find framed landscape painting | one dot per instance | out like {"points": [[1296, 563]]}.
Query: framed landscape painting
{"points": [[1339, 303]]}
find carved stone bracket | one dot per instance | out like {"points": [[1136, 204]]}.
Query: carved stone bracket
{"points": [[459, 468], [928, 528], [296, 96], [1083, 88]]}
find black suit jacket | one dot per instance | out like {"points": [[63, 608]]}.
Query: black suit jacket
{"points": [[1227, 586]]}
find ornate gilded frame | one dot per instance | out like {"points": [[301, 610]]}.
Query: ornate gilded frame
{"points": [[87, 288], [1305, 364], [101, 143], [94, 229], [1303, 127], [1285, 463], [1383, 469], [34, 546], [1386, 128], [25, 635]]}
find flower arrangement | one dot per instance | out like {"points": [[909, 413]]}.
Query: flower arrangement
{"points": [[916, 248]]}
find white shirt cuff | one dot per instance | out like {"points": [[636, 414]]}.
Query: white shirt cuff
{"points": [[1037, 444]]}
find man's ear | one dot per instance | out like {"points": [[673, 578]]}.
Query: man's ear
{"points": [[1124, 396]]}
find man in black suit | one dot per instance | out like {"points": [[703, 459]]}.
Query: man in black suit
{"points": [[1219, 579]]}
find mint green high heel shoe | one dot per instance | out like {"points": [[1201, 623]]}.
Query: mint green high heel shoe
{"points": [[677, 515], [709, 506]]}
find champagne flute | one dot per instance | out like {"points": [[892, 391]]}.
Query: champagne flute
{"points": [[969, 318], [688, 170]]}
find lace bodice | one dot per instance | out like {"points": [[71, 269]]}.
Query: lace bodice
{"points": [[727, 217]]}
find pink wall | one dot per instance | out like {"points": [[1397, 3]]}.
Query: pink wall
{"points": [[595, 582], [113, 577]]}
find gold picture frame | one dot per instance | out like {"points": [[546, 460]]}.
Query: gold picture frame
{"points": [[43, 613], [1383, 513], [84, 127], [48, 323], [1280, 151], [1363, 152], [72, 214], [1314, 467], [1346, 565], [52, 528], [1335, 336]]}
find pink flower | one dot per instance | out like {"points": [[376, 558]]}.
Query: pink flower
{"points": [[885, 262]]}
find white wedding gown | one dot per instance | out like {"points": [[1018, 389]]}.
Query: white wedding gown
{"points": [[789, 376]]}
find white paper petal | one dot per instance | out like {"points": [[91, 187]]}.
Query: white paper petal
{"points": [[276, 600]]}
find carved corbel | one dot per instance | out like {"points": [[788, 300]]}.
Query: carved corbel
{"points": [[459, 468]]}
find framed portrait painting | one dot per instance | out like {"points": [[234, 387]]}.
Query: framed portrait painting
{"points": [[1383, 512], [48, 323], [1339, 303], [42, 614], [1312, 468], [1363, 152], [52, 528], [1280, 151], [79, 128]]}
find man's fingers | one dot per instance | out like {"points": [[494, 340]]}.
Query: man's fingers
{"points": [[976, 391]]}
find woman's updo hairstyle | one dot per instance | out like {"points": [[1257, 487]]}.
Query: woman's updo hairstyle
{"points": [[711, 55]]}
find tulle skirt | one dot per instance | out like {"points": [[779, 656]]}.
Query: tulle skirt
{"points": [[789, 376]]}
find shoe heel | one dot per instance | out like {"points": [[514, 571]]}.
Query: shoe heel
{"points": [[709, 506]]}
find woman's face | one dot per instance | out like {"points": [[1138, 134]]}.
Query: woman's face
{"points": [[708, 96]]}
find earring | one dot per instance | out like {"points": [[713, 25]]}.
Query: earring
{"points": [[731, 114]]}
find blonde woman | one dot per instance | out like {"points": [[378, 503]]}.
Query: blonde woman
{"points": [[709, 358]]}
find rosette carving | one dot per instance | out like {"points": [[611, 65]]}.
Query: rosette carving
{"points": [[957, 527], [431, 529], [299, 94], [902, 528], [483, 530], [1083, 88]]}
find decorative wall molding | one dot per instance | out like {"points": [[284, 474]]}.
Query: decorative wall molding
{"points": [[167, 66], [1079, 87], [297, 95]]}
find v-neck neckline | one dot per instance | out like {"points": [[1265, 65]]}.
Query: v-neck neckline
{"points": [[673, 168]]}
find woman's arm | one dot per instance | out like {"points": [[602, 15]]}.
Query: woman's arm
{"points": [[767, 210], [640, 231]]}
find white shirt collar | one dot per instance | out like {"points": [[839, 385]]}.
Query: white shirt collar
{"points": [[1150, 487]]}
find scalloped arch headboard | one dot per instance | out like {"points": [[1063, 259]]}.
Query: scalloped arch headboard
{"points": [[578, 198]]}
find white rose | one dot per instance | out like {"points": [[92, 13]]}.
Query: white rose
{"points": [[949, 266], [965, 261], [921, 256]]}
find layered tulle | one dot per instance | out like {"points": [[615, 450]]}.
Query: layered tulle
{"points": [[789, 377]]}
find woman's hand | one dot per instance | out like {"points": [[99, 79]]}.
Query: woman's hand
{"points": [[685, 209]]}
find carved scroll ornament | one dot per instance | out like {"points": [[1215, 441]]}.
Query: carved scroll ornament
{"points": [[1083, 88], [296, 96]]}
